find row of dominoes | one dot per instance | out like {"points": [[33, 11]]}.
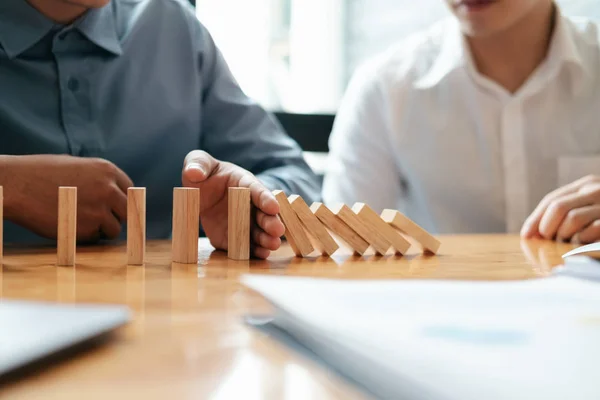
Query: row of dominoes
{"points": [[360, 227], [186, 226], [307, 227]]}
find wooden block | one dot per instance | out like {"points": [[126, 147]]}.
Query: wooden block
{"points": [[67, 226], [405, 225], [315, 228], [1, 224], [136, 226], [375, 223], [339, 228], [363, 227], [238, 223], [186, 225], [294, 232]]}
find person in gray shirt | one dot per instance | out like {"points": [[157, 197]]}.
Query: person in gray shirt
{"points": [[104, 95]]}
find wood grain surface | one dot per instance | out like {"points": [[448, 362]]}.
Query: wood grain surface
{"points": [[188, 339]]}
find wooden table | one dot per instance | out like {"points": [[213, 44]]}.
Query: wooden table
{"points": [[188, 339]]}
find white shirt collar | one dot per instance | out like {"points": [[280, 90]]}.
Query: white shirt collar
{"points": [[565, 51], [454, 54]]}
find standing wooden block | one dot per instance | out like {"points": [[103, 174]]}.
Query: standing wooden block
{"points": [[315, 228], [238, 223], [406, 225], [186, 225], [375, 223], [294, 232], [363, 227], [339, 228], [67, 226], [136, 226]]}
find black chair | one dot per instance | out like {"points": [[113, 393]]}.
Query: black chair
{"points": [[311, 131]]}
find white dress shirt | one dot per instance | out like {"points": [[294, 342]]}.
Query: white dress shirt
{"points": [[420, 130]]}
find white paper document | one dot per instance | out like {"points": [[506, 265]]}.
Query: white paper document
{"points": [[30, 331], [535, 339], [590, 250]]}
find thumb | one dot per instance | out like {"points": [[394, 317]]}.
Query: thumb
{"points": [[198, 166]]}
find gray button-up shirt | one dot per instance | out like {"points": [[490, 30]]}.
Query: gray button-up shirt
{"points": [[139, 83]]}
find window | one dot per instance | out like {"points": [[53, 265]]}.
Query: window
{"points": [[298, 55], [284, 53]]}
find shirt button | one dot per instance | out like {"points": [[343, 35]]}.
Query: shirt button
{"points": [[63, 36], [73, 85]]}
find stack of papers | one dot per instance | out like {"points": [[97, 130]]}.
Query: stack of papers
{"points": [[536, 339]]}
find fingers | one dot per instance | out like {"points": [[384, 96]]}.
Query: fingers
{"points": [[198, 166], [262, 239], [558, 210], [591, 233], [261, 253], [576, 220], [531, 227], [262, 198], [118, 205], [122, 179], [271, 224], [266, 234], [110, 226]]}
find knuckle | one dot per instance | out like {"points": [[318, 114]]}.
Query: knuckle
{"points": [[594, 190], [113, 193], [105, 193], [105, 168], [260, 219], [547, 199], [256, 186], [558, 208], [591, 178], [97, 216], [256, 236], [574, 219], [591, 233], [109, 167]]}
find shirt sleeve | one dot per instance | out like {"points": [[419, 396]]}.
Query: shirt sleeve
{"points": [[361, 165], [236, 129]]}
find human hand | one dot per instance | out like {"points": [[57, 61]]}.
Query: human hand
{"points": [[569, 212], [214, 178], [31, 194]]}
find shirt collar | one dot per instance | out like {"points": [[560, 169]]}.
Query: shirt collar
{"points": [[98, 26], [564, 51], [454, 53], [22, 26]]}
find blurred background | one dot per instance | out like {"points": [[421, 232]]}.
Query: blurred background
{"points": [[298, 55]]}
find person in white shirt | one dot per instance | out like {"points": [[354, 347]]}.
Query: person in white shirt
{"points": [[468, 126]]}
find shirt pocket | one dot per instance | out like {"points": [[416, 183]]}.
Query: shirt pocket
{"points": [[571, 168]]}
